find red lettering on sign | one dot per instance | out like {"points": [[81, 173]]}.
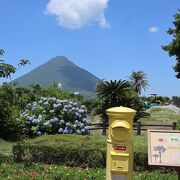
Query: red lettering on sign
{"points": [[120, 148]]}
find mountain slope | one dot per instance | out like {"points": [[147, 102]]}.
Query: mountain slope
{"points": [[60, 69]]}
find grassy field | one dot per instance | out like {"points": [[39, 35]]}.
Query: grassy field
{"points": [[162, 115]]}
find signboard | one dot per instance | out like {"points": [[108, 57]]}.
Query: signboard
{"points": [[164, 148]]}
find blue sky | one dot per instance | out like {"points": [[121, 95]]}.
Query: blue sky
{"points": [[110, 39]]}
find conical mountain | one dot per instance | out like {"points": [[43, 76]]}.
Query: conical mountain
{"points": [[60, 69]]}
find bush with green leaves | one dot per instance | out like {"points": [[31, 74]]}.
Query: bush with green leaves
{"points": [[71, 150], [52, 115], [11, 128]]}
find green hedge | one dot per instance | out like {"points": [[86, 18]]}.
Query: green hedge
{"points": [[73, 150]]}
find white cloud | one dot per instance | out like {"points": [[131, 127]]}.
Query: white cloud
{"points": [[153, 29], [75, 14]]}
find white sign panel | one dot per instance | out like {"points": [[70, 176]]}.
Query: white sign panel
{"points": [[164, 148]]}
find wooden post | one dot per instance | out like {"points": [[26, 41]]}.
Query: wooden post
{"points": [[104, 126], [138, 127], [174, 125]]}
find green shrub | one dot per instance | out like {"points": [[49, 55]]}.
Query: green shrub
{"points": [[71, 150], [11, 128]]}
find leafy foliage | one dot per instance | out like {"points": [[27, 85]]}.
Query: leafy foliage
{"points": [[118, 93], [174, 47], [111, 94], [10, 127], [7, 69]]}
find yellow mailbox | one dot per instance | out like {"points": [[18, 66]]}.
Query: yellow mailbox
{"points": [[120, 144]]}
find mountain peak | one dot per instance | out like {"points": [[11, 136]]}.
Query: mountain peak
{"points": [[61, 69]]}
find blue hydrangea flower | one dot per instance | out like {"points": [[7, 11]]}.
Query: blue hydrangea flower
{"points": [[84, 120], [65, 110], [39, 133], [75, 104], [30, 118], [54, 121], [82, 130], [40, 116], [65, 131], [35, 121], [70, 131], [60, 131], [46, 123], [51, 111], [46, 103], [55, 106], [86, 128], [78, 131], [82, 125], [62, 121], [68, 124], [76, 121]]}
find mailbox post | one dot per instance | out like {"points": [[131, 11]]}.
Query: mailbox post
{"points": [[119, 165]]}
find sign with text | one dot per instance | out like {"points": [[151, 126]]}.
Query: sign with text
{"points": [[164, 148]]}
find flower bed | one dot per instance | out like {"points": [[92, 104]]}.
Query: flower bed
{"points": [[51, 116]]}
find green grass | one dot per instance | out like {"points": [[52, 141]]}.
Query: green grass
{"points": [[140, 141], [37, 171], [5, 150], [161, 115]]}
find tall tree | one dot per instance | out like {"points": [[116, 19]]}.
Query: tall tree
{"points": [[138, 81], [174, 47], [7, 69]]}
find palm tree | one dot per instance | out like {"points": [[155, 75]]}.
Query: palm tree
{"points": [[160, 150], [138, 81], [112, 93], [155, 157], [23, 62]]}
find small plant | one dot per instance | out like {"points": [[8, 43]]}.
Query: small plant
{"points": [[52, 115]]}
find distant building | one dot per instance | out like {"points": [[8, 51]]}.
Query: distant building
{"points": [[76, 93], [59, 85]]}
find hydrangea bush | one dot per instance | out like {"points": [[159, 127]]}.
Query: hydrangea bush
{"points": [[52, 115]]}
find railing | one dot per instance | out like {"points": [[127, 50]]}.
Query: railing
{"points": [[138, 127]]}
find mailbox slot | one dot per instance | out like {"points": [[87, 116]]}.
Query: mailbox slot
{"points": [[120, 130], [120, 162]]}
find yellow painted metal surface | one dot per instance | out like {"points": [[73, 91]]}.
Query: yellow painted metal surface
{"points": [[119, 163]]}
